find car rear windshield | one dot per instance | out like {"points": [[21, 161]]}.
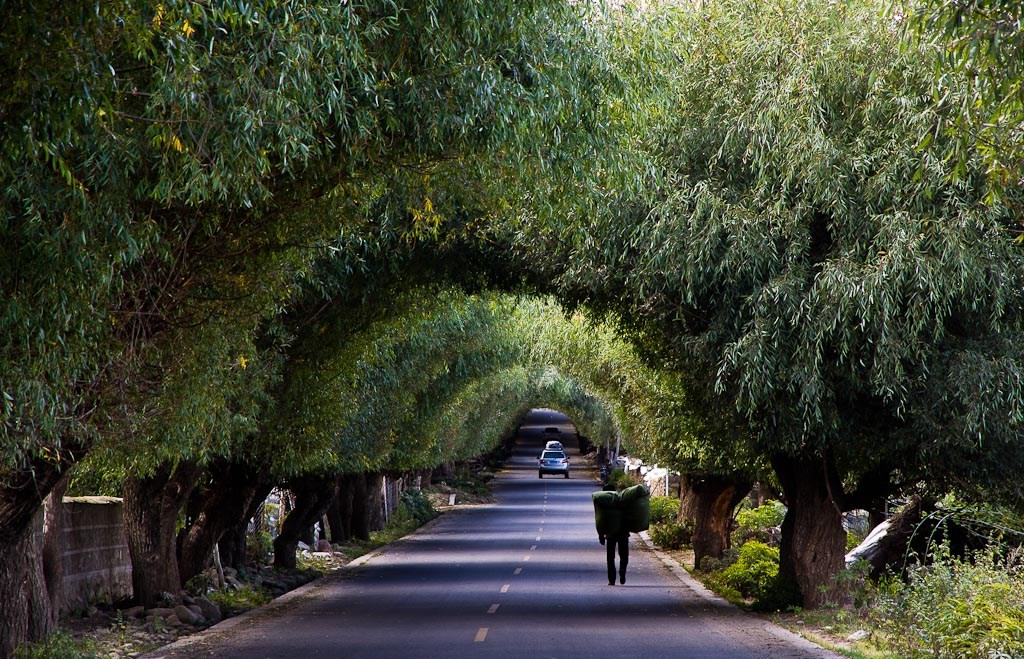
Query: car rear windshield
{"points": [[551, 455]]}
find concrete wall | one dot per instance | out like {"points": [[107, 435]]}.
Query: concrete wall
{"points": [[97, 567]]}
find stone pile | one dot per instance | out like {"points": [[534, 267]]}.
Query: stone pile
{"points": [[193, 612]]}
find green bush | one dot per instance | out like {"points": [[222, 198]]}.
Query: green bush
{"points": [[414, 505], [755, 570], [259, 546], [620, 480], [957, 608], [713, 564], [852, 540], [59, 645], [758, 523], [672, 535], [664, 509]]}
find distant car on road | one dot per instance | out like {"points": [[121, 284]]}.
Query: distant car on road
{"points": [[553, 462], [554, 445]]}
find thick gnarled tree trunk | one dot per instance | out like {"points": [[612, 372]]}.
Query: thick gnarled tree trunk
{"points": [[813, 539], [313, 496], [30, 608], [375, 501], [339, 513], [360, 507], [709, 501], [151, 509], [232, 488], [28, 615], [233, 550]]}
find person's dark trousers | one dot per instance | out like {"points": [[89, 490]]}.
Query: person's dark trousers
{"points": [[622, 541]]}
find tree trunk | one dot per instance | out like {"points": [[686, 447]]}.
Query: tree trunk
{"points": [[53, 546], [709, 502], [151, 509], [233, 552], [375, 501], [29, 612], [309, 535], [360, 508], [224, 504], [339, 513], [28, 615], [313, 495], [813, 540]]}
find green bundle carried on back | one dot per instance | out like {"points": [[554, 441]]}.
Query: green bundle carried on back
{"points": [[636, 508], [607, 513]]}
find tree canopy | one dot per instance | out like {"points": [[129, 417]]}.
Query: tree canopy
{"points": [[336, 238]]}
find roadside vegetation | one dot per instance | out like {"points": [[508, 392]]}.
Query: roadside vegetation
{"points": [[935, 604]]}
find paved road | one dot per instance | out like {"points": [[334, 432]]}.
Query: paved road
{"points": [[522, 578]]}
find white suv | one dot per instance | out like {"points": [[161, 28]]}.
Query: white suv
{"points": [[553, 462]]}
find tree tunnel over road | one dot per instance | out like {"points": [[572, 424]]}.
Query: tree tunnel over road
{"points": [[521, 577], [230, 257]]}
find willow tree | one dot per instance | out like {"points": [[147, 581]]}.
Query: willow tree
{"points": [[848, 290], [853, 302], [979, 82], [168, 167]]}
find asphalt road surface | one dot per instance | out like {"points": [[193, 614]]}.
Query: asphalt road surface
{"points": [[524, 577]]}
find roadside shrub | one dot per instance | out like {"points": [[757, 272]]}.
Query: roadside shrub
{"points": [[852, 540], [755, 570], [200, 584], [414, 505], [957, 608], [620, 480], [672, 535], [58, 645], [713, 564], [664, 509], [259, 546], [722, 589], [760, 523]]}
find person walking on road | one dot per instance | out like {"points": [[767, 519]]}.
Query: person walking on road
{"points": [[618, 540], [616, 515]]}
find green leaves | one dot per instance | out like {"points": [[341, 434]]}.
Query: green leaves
{"points": [[977, 50]]}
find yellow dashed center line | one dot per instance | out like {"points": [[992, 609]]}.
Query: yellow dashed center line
{"points": [[519, 570], [505, 588], [526, 558], [494, 608], [533, 547], [481, 634]]}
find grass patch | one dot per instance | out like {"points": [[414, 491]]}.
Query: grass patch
{"points": [[59, 645], [391, 533], [830, 628], [233, 602]]}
